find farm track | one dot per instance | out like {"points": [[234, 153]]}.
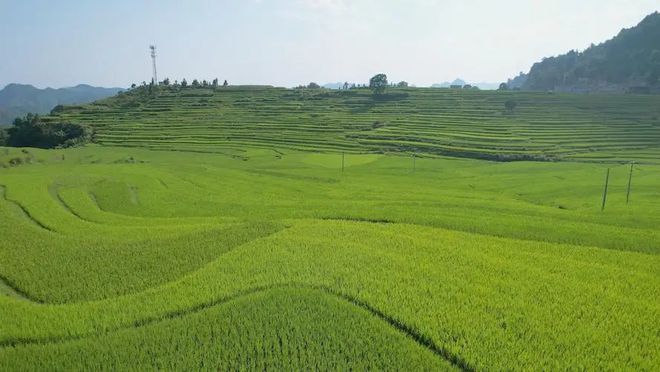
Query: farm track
{"points": [[405, 329], [363, 220], [54, 192], [23, 210], [8, 288]]}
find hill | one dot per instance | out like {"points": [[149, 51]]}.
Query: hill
{"points": [[426, 121], [460, 82], [19, 99], [628, 62], [448, 84]]}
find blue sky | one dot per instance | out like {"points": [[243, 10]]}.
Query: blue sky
{"points": [[289, 42]]}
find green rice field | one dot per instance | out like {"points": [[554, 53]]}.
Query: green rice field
{"points": [[429, 121], [274, 229]]}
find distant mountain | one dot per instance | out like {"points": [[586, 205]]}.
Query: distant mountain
{"points": [[628, 62], [338, 85], [447, 84], [333, 85], [486, 85], [461, 82], [19, 99]]}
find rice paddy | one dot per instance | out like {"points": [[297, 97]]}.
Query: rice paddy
{"points": [[294, 232], [416, 120]]}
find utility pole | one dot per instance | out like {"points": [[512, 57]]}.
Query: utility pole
{"points": [[630, 181], [607, 180]]}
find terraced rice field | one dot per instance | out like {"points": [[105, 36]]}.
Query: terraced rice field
{"points": [[613, 128], [115, 258]]}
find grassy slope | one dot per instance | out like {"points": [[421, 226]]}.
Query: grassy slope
{"points": [[425, 121], [476, 262]]}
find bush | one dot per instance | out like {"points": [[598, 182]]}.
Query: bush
{"points": [[510, 105], [15, 162], [3, 137], [57, 109], [31, 131]]}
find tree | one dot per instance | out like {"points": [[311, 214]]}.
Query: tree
{"points": [[195, 83], [510, 105], [133, 86], [378, 84], [225, 84], [215, 83], [31, 131], [402, 84], [205, 83], [503, 86], [184, 83], [166, 82], [313, 85]]}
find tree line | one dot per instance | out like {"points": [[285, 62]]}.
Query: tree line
{"points": [[33, 131], [215, 83]]}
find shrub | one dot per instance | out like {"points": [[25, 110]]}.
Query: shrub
{"points": [[510, 105], [14, 162], [57, 109], [3, 137]]}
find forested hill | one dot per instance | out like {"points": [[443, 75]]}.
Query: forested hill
{"points": [[19, 99], [628, 62]]}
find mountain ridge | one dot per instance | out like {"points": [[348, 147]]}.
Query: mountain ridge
{"points": [[19, 99], [628, 62]]}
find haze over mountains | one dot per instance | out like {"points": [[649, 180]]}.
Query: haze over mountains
{"points": [[19, 99]]}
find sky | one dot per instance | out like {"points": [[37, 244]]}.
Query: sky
{"points": [[291, 42]]}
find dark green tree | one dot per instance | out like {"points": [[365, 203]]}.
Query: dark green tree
{"points": [[510, 105], [378, 84], [31, 131]]}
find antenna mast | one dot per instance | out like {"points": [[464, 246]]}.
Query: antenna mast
{"points": [[153, 60]]}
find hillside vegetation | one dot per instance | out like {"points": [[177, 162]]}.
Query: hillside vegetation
{"points": [[629, 61], [427, 122], [127, 258]]}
